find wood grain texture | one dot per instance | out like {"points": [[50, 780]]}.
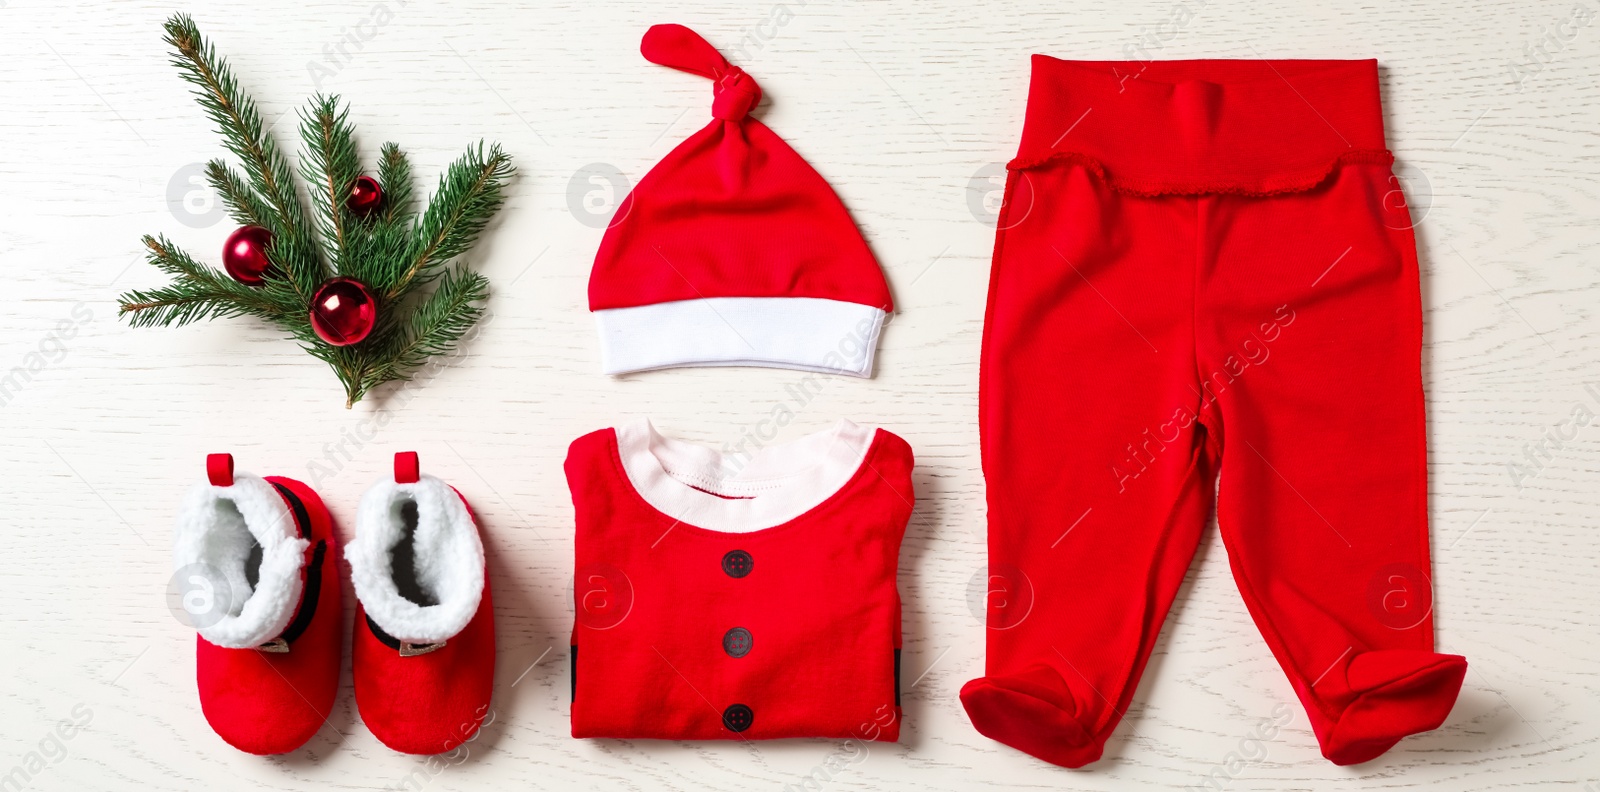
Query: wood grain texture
{"points": [[904, 106]]}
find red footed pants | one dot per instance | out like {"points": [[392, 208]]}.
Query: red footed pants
{"points": [[1205, 295]]}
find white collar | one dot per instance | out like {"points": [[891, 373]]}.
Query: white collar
{"points": [[740, 490]]}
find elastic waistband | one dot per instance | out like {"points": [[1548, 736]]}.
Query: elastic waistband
{"points": [[1191, 127]]}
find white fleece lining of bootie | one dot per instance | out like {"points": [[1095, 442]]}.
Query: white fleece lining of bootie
{"points": [[218, 527], [448, 555]]}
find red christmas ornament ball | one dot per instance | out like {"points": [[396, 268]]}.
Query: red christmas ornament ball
{"points": [[365, 196], [244, 255], [343, 311]]}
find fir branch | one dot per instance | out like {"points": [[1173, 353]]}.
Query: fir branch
{"points": [[433, 328], [234, 113], [331, 166], [242, 202], [178, 304], [237, 120], [394, 175], [394, 252], [197, 292], [469, 194]]}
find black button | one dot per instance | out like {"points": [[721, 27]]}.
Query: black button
{"points": [[737, 642], [738, 718], [737, 563]]}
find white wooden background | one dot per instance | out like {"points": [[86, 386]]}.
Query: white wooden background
{"points": [[907, 107]]}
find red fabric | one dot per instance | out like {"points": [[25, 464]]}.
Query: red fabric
{"points": [[219, 469], [731, 212], [271, 703], [818, 599], [427, 703], [1205, 126], [1143, 338], [407, 469]]}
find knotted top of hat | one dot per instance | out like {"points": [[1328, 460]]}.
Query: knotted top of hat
{"points": [[735, 93]]}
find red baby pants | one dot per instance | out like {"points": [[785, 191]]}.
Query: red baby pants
{"points": [[1205, 269]]}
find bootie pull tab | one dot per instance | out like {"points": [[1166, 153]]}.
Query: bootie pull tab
{"points": [[735, 93], [219, 469], [407, 470]]}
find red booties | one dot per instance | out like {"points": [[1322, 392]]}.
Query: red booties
{"points": [[424, 631], [255, 563]]}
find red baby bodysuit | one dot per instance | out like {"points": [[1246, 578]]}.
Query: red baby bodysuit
{"points": [[741, 596]]}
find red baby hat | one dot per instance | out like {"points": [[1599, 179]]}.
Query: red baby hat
{"points": [[733, 251]]}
